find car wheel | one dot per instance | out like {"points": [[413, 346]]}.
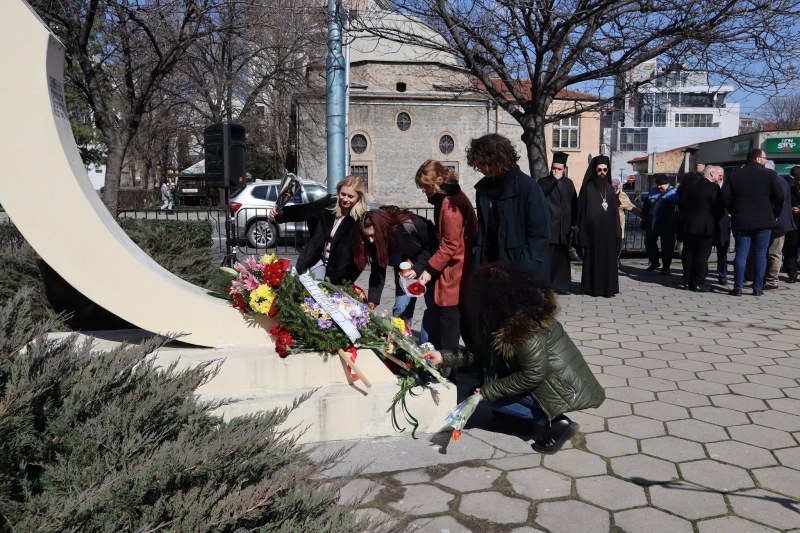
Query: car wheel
{"points": [[262, 234]]}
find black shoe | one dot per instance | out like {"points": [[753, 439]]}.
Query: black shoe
{"points": [[735, 292], [771, 286], [703, 288], [792, 280], [665, 271], [562, 293], [758, 293], [652, 267], [560, 431]]}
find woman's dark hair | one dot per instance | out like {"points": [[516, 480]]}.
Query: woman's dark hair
{"points": [[495, 151], [498, 292], [385, 220]]}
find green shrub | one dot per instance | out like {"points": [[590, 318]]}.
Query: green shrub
{"points": [[107, 441]]}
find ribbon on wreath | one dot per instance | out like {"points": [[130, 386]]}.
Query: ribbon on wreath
{"points": [[353, 354]]}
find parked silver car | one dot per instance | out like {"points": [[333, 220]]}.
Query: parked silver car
{"points": [[253, 202]]}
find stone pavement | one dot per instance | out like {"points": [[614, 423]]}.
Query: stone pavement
{"points": [[699, 431]]}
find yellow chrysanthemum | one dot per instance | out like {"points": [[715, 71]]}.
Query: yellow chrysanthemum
{"points": [[269, 259], [261, 299], [399, 323]]}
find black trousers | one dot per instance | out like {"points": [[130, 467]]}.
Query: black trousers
{"points": [[560, 273], [790, 253], [449, 327], [696, 249], [667, 247]]}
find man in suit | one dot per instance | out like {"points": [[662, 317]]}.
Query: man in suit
{"points": [[722, 234], [701, 208], [562, 200], [754, 199]]}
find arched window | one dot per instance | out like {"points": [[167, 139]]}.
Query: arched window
{"points": [[358, 143], [403, 121]]}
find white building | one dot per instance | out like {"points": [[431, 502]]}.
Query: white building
{"points": [[674, 109]]}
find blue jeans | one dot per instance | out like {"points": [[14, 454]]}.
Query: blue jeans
{"points": [[524, 407], [760, 241], [404, 308]]}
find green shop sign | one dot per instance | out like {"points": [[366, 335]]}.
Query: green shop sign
{"points": [[782, 145]]}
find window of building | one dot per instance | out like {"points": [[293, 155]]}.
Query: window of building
{"points": [[446, 144], [633, 139], [691, 99], [362, 171], [401, 87], [693, 120], [403, 121], [566, 133], [358, 143]]}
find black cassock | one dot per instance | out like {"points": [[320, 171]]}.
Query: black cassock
{"points": [[599, 237], [562, 200]]}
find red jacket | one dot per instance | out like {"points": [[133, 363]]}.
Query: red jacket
{"points": [[458, 227]]}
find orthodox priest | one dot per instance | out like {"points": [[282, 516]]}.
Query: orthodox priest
{"points": [[598, 230], [563, 202]]}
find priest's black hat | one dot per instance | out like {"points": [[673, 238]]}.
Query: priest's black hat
{"points": [[560, 158]]}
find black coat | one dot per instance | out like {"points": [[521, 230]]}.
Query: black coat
{"points": [[341, 264], [701, 208], [753, 197], [786, 221], [599, 237], [563, 201]]}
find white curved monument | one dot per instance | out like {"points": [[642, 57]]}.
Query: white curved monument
{"points": [[46, 192]]}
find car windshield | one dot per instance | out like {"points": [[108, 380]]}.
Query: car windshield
{"points": [[315, 192]]}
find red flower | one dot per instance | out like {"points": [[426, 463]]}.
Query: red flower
{"points": [[416, 288], [360, 292], [456, 434], [284, 264], [275, 331], [273, 311], [239, 303]]}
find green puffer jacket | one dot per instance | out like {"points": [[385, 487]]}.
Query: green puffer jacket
{"points": [[530, 356]]}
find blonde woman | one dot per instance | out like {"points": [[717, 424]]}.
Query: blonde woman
{"points": [[333, 222]]}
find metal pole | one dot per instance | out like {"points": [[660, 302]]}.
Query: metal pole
{"points": [[335, 97]]}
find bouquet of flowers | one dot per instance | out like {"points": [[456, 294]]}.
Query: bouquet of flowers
{"points": [[254, 287], [458, 417]]}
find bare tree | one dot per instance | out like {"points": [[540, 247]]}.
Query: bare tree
{"points": [[524, 52], [120, 52], [781, 113]]}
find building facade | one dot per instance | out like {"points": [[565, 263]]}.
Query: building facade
{"points": [[675, 109], [781, 147]]}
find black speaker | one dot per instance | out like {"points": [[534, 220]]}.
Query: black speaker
{"points": [[224, 146]]}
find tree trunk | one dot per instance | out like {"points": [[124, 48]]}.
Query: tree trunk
{"points": [[116, 157], [534, 139]]}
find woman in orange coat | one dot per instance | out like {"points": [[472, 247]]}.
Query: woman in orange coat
{"points": [[450, 266]]}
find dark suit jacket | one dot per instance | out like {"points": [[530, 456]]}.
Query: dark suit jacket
{"points": [[753, 197], [563, 201], [701, 208], [341, 264]]}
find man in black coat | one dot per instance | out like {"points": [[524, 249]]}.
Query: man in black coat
{"points": [[562, 200], [790, 243], [722, 233], [784, 225], [754, 199], [701, 208]]}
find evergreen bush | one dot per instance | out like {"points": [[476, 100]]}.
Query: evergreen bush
{"points": [[108, 441]]}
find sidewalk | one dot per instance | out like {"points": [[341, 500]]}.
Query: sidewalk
{"points": [[699, 432]]}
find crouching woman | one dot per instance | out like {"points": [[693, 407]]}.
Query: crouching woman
{"points": [[530, 367]]}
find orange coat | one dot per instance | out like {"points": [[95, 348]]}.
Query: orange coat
{"points": [[458, 227]]}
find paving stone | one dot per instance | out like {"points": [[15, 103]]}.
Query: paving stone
{"points": [[728, 524], [649, 520], [376, 520], [540, 484], [652, 384], [707, 357], [610, 444], [718, 376], [696, 430], [771, 381], [766, 507], [787, 405], [467, 479], [495, 507], [412, 477], [754, 390], [789, 457], [423, 499], [608, 381], [660, 411], [648, 364], [589, 423], [517, 462], [571, 516], [688, 501], [792, 392], [665, 355], [703, 387], [724, 350], [625, 371], [764, 437], [673, 374], [611, 408], [673, 449], [780, 479], [783, 370], [630, 394], [526, 529], [754, 360], [622, 353], [777, 420], [736, 343], [719, 416], [716, 475], [740, 454], [610, 493], [437, 524], [738, 368], [359, 491], [691, 366], [683, 398], [575, 463], [738, 403], [642, 469], [636, 426]]}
